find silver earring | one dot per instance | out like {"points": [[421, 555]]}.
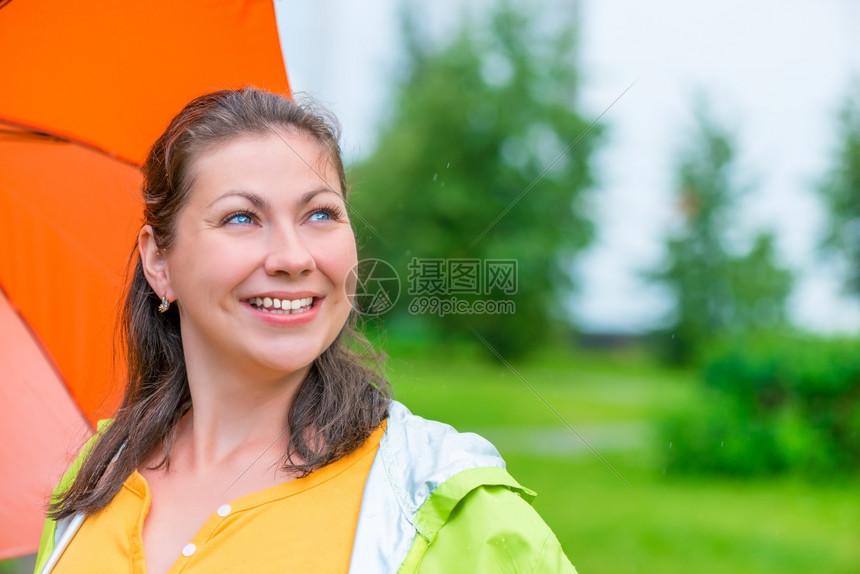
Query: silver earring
{"points": [[164, 305]]}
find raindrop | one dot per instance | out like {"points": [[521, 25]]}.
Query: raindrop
{"points": [[670, 445], [435, 175], [449, 165]]}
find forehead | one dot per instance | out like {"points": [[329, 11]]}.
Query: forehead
{"points": [[275, 144], [275, 160]]}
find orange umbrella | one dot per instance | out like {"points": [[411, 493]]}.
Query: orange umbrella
{"points": [[87, 87]]}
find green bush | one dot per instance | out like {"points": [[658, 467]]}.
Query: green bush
{"points": [[769, 405]]}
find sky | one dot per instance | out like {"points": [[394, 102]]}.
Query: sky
{"points": [[774, 72]]}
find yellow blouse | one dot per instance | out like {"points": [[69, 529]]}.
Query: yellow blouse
{"points": [[303, 525]]}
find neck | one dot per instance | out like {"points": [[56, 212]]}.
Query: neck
{"points": [[234, 416]]}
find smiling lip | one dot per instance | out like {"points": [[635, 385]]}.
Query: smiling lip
{"points": [[282, 308]]}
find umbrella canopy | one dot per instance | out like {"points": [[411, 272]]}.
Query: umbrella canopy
{"points": [[110, 74], [87, 87]]}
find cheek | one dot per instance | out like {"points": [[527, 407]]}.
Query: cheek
{"points": [[202, 266], [339, 256], [350, 253]]}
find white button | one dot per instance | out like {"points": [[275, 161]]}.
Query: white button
{"points": [[188, 550], [224, 510]]}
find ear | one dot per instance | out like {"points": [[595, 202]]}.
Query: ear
{"points": [[154, 264]]}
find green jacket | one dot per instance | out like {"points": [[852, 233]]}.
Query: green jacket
{"points": [[435, 501], [481, 521]]}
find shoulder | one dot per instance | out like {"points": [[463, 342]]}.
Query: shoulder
{"points": [[53, 530], [493, 528], [469, 513], [415, 457], [421, 454], [72, 472]]}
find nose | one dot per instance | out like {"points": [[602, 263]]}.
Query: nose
{"points": [[288, 253]]}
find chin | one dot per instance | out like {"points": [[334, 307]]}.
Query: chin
{"points": [[288, 361]]}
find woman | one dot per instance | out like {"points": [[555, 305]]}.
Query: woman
{"points": [[252, 438]]}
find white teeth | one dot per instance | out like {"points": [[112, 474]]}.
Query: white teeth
{"points": [[281, 305]]}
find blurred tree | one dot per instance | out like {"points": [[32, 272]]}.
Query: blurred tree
{"points": [[483, 156], [841, 192], [716, 291]]}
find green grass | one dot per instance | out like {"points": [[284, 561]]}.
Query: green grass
{"points": [[469, 391], [657, 524], [692, 525]]}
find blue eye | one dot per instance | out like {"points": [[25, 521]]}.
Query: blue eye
{"points": [[320, 216], [326, 213], [241, 218]]}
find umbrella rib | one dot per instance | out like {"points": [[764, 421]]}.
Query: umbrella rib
{"points": [[40, 133]]}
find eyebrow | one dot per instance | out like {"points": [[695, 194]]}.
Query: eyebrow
{"points": [[255, 199], [260, 202], [314, 192]]}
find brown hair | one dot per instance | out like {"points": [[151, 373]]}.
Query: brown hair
{"points": [[340, 402]]}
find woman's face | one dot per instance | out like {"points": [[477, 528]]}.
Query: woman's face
{"points": [[262, 251]]}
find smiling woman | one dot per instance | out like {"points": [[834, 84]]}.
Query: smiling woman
{"points": [[266, 223], [252, 437]]}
